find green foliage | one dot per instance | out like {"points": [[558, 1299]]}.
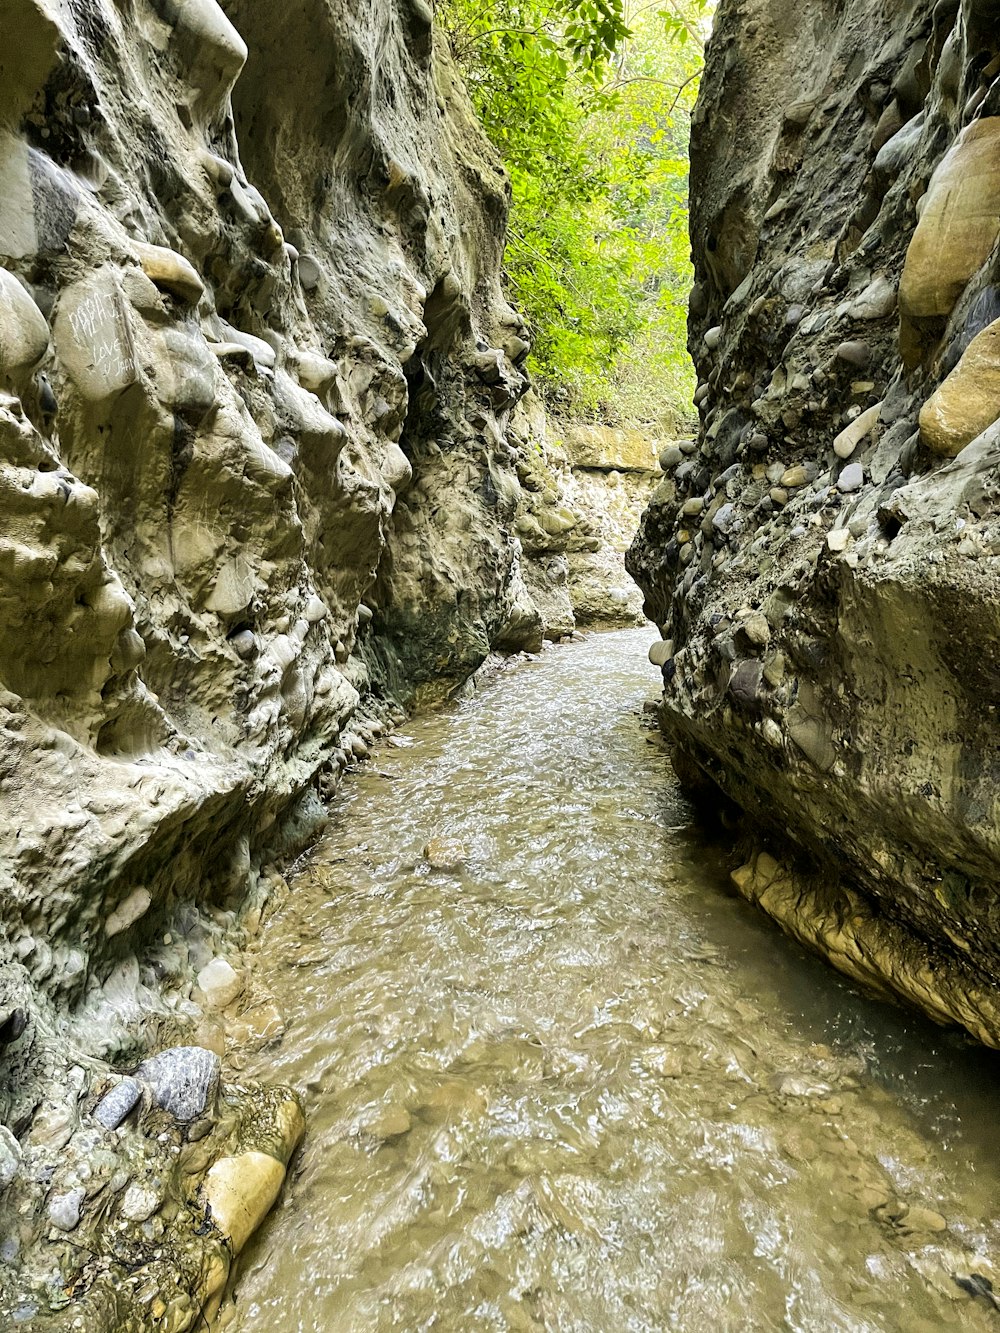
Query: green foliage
{"points": [[589, 105]]}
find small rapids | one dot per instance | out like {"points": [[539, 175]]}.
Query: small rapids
{"points": [[574, 1084]]}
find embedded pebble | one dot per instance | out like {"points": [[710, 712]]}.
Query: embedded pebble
{"points": [[670, 456], [851, 478], [140, 1202], [183, 1080], [855, 353], [794, 476], [115, 1105], [876, 302], [65, 1210], [10, 1156], [757, 630], [713, 337], [726, 520], [24, 334]]}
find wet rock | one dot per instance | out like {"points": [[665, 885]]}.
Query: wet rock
{"points": [[922, 1220], [240, 1191], [183, 1081], [445, 854], [220, 983], [115, 1105]]}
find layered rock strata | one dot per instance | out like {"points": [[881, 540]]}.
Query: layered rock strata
{"points": [[823, 564], [256, 372]]}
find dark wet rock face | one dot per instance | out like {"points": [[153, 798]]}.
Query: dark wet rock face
{"points": [[844, 492]]}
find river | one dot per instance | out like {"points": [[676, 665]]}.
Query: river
{"points": [[573, 1083]]}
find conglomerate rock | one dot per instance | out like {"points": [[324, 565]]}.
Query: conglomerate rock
{"points": [[256, 371], [826, 581]]}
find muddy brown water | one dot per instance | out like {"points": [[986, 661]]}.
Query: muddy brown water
{"points": [[575, 1084]]}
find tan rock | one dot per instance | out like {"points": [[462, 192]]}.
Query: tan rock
{"points": [[958, 226], [170, 271], [241, 1192], [969, 399], [445, 854], [24, 334], [604, 448], [851, 436], [794, 476]]}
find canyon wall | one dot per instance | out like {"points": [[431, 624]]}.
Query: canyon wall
{"points": [[824, 560], [256, 466]]}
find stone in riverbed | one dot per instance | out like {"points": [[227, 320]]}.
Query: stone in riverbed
{"points": [[220, 983], [445, 854], [184, 1080], [240, 1191]]}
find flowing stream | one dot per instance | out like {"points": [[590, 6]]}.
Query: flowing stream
{"points": [[573, 1083]]}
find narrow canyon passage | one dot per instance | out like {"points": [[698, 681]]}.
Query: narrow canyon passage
{"points": [[572, 1083]]}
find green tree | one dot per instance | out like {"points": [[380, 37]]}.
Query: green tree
{"points": [[588, 102]]}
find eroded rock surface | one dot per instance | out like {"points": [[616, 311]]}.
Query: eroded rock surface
{"points": [[256, 374], [824, 578]]}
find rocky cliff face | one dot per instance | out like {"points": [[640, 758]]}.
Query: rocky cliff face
{"points": [[256, 371], [823, 563]]}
